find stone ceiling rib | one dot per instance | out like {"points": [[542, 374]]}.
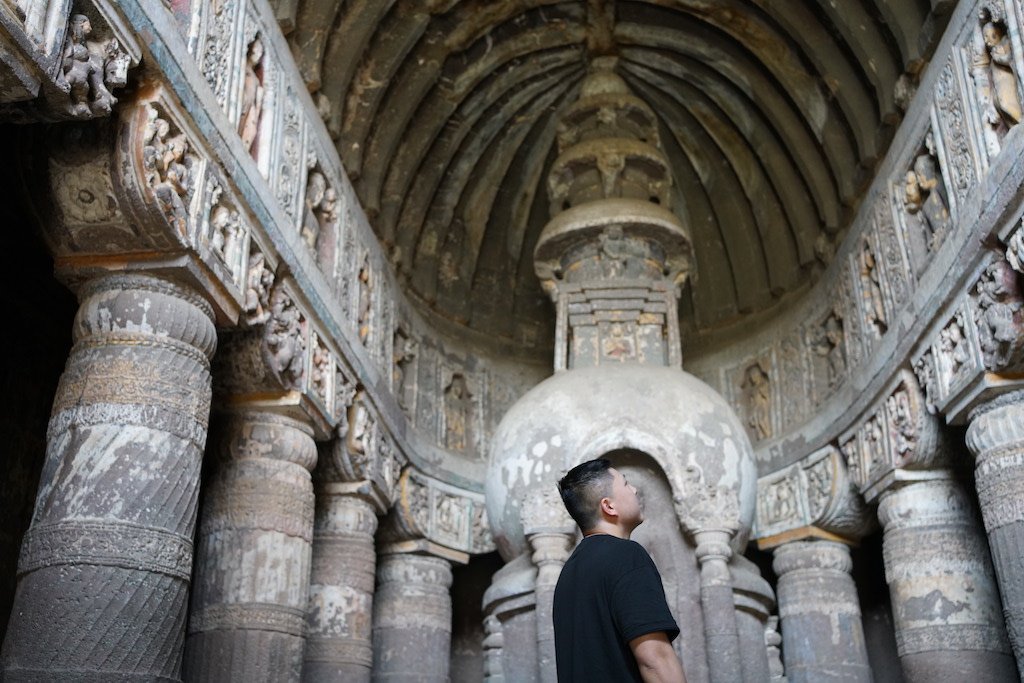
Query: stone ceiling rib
{"points": [[774, 113]]}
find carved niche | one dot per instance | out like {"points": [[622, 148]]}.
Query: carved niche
{"points": [[251, 101], [994, 74], [458, 430], [828, 347], [171, 167], [956, 138], [870, 284], [364, 310], [926, 205], [285, 340], [319, 220], [403, 368], [321, 373], [998, 317], [90, 69], [225, 233], [757, 400]]}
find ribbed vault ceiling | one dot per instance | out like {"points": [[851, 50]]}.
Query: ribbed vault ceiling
{"points": [[773, 115]]}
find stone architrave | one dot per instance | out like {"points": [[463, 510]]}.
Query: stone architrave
{"points": [[254, 553], [996, 438], [108, 558], [945, 603], [822, 633], [412, 618]]}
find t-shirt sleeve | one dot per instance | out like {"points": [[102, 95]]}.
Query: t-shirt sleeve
{"points": [[638, 603]]}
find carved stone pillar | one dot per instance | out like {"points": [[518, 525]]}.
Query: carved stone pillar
{"points": [[105, 567], [822, 633], [412, 618], [339, 626], [494, 643], [716, 600], [944, 598], [254, 546], [996, 437], [550, 552]]}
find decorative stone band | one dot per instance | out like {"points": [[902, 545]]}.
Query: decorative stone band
{"points": [[438, 512], [106, 543], [286, 512], [338, 651], [952, 637], [340, 561], [256, 616]]}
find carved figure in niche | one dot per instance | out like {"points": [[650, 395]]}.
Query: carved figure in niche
{"points": [[924, 369], [360, 424], [780, 501], [449, 516], [365, 304], [258, 282], [829, 345], [344, 392], [953, 344], [316, 188], [321, 374], [618, 344], [871, 291], [852, 457], [457, 406], [819, 486], [874, 444], [1006, 99], [403, 353], [925, 193], [284, 340], [83, 70], [757, 397], [252, 96], [901, 427], [226, 235], [1015, 250], [998, 317]]}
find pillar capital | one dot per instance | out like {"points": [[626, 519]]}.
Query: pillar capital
{"points": [[816, 554]]}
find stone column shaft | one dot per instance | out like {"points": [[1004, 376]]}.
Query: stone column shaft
{"points": [[944, 598], [105, 566], [412, 619], [254, 547], [339, 624], [551, 550], [996, 437], [822, 632], [716, 599]]}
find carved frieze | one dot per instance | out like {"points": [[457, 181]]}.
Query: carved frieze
{"points": [[993, 72], [955, 132], [814, 493], [892, 250], [427, 508], [215, 43], [897, 439], [925, 206], [365, 454]]}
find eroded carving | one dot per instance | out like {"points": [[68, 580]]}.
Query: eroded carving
{"points": [[168, 162], [925, 195], [828, 345], [457, 410], [258, 281], [284, 339], [998, 315], [363, 315], [757, 400], [252, 95], [873, 303], [404, 349], [90, 69]]}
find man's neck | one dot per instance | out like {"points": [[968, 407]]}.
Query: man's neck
{"points": [[608, 529]]}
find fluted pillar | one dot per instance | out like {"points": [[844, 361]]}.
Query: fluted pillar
{"points": [[550, 552], [716, 600], [253, 556], [105, 566], [945, 603], [412, 618], [339, 622], [996, 437], [822, 632]]}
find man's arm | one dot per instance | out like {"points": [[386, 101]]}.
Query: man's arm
{"points": [[656, 658]]}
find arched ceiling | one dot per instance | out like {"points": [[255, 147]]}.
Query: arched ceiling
{"points": [[773, 115]]}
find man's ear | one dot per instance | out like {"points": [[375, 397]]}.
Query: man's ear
{"points": [[608, 507]]}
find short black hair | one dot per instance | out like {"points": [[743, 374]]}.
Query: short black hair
{"points": [[582, 489]]}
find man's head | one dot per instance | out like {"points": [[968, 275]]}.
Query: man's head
{"points": [[596, 494]]}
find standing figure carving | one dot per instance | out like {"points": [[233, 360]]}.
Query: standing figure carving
{"points": [[167, 165], [457, 403], [365, 301], [871, 291], [284, 339], [316, 189], [829, 345], [757, 397], [925, 194], [1006, 98], [252, 95], [83, 71], [259, 280]]}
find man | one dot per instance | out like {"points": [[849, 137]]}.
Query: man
{"points": [[611, 620]]}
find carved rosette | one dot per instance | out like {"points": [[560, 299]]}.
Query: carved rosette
{"points": [[977, 350], [896, 440], [811, 496], [443, 517]]}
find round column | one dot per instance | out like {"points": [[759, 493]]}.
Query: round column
{"points": [[945, 603], [716, 600], [822, 632], [996, 437], [412, 618], [105, 566], [339, 621], [550, 553], [254, 547]]}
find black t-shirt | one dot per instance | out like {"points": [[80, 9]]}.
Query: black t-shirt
{"points": [[609, 592]]}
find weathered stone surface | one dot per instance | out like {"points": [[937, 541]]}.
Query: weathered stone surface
{"points": [[248, 609], [996, 437], [412, 618], [341, 587], [944, 595], [108, 558], [822, 635]]}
